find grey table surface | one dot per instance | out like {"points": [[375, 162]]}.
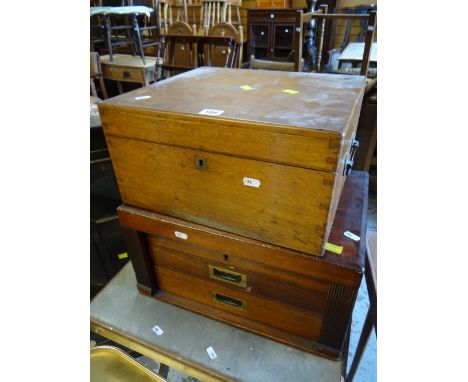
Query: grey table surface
{"points": [[186, 336]]}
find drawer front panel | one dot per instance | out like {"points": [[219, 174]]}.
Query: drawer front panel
{"points": [[275, 315], [242, 196], [239, 279], [251, 264], [123, 74]]}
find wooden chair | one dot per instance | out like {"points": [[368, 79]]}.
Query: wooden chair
{"points": [[217, 53], [164, 20], [212, 12], [96, 74], [274, 65], [180, 9], [322, 17], [179, 55], [237, 4], [185, 10], [371, 317]]}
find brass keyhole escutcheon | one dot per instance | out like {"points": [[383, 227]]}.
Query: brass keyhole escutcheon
{"points": [[200, 163]]}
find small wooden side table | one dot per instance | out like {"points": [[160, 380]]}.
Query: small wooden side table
{"points": [[128, 68]]}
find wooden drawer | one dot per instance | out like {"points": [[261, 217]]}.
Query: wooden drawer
{"points": [[125, 74], [265, 14], [299, 322], [224, 274]]}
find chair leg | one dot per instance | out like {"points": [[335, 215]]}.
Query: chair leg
{"points": [[366, 331], [103, 87], [130, 37], [108, 36], [138, 38]]}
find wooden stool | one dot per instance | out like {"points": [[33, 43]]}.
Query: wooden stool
{"points": [[371, 317], [131, 27]]}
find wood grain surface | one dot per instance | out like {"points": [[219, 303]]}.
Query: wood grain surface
{"points": [[290, 207], [300, 322], [280, 290], [290, 132]]}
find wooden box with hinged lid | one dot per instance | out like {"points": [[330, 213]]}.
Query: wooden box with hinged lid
{"points": [[260, 154]]}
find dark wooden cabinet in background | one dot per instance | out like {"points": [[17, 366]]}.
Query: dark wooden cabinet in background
{"points": [[271, 33]]}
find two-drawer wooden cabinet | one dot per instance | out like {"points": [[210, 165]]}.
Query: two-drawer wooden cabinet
{"points": [[300, 300], [271, 33]]}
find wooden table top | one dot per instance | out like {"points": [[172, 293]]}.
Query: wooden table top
{"points": [[298, 100], [123, 315], [354, 51]]}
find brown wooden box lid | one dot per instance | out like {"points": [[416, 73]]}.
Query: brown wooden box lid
{"points": [[314, 107]]}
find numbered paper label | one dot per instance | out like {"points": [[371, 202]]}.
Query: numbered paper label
{"points": [[211, 352], [352, 236], [251, 182], [211, 112], [158, 330], [181, 235]]}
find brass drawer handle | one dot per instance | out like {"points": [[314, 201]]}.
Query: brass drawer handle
{"points": [[227, 276], [233, 302]]}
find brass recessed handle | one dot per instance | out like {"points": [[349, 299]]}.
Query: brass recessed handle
{"points": [[227, 276], [231, 301]]}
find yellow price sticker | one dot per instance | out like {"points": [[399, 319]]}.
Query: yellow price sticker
{"points": [[334, 248], [123, 255], [246, 87], [290, 91]]}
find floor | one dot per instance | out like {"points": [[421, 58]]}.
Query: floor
{"points": [[367, 371]]}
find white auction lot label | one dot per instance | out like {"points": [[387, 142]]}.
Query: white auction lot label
{"points": [[181, 235], [352, 236], [212, 112], [251, 182], [211, 352], [158, 330]]}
